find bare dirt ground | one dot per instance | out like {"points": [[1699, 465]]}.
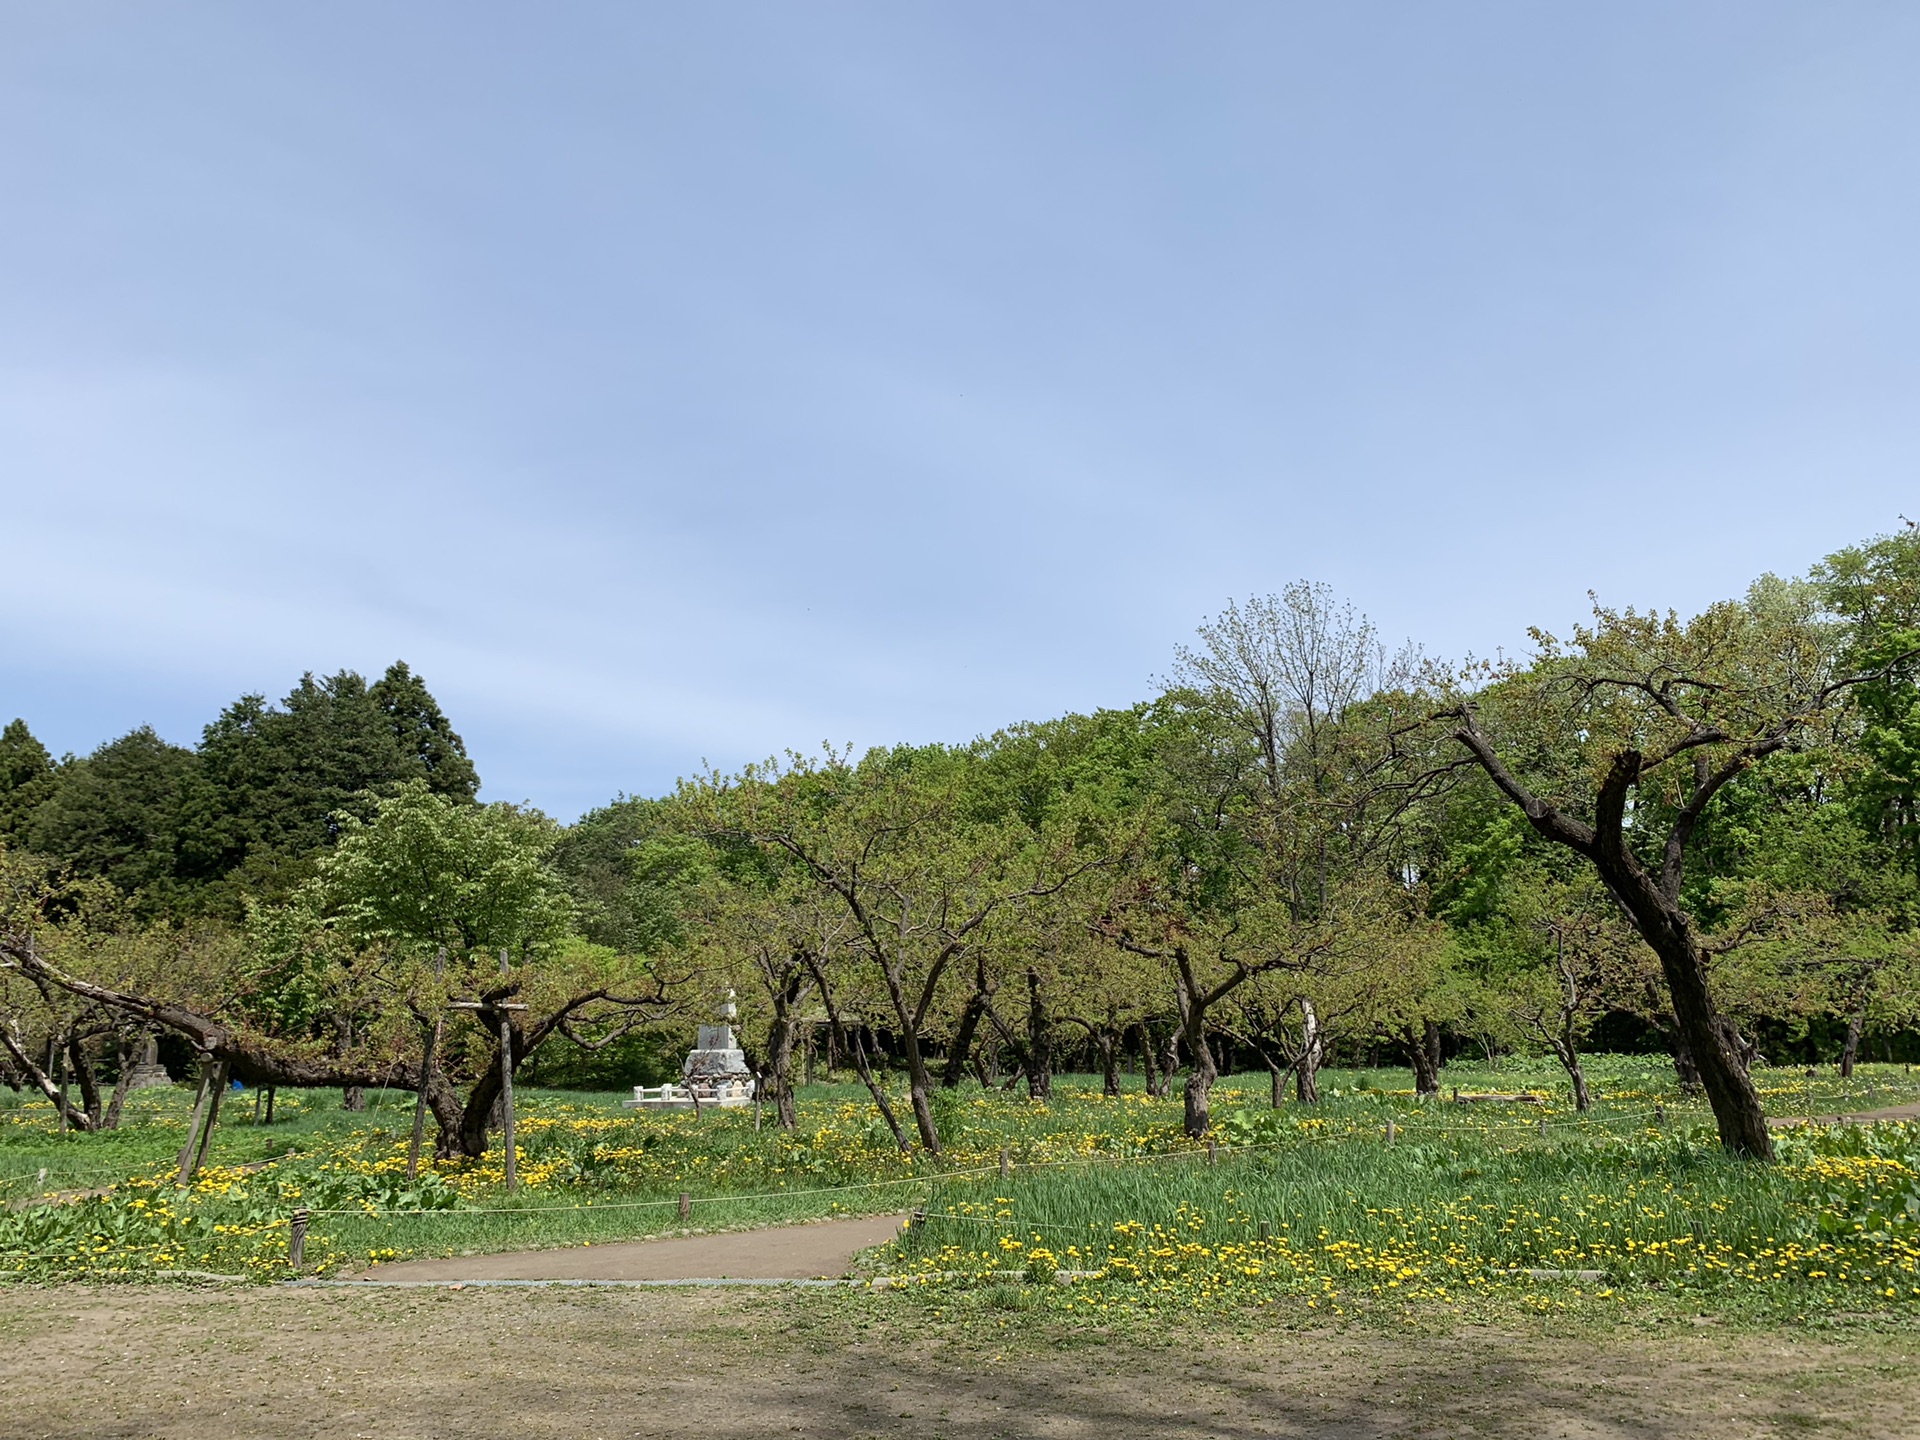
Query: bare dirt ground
{"points": [[84, 1364], [785, 1252]]}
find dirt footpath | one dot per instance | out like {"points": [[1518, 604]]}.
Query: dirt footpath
{"points": [[1855, 1117], [788, 1252], [489, 1364]]}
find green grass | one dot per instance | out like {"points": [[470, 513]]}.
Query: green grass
{"points": [[1467, 1191]]}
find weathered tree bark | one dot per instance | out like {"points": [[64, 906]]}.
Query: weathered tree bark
{"points": [[1850, 1050], [1276, 1081], [1653, 903], [126, 1053], [786, 982], [1422, 1049], [37, 1076], [960, 1051], [1039, 1047], [1313, 1053], [80, 1063]]}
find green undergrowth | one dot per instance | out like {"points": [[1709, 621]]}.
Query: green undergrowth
{"points": [[1465, 1194]]}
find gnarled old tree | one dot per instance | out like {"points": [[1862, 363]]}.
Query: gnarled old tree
{"points": [[1616, 745], [426, 875], [919, 865]]}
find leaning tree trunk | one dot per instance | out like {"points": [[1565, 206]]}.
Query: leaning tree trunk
{"points": [[960, 1053], [1277, 1079], [1712, 1040]]}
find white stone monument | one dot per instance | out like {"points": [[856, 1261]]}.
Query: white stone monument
{"points": [[715, 1072]]}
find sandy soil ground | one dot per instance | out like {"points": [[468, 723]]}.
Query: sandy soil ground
{"points": [[79, 1364], [786, 1252]]}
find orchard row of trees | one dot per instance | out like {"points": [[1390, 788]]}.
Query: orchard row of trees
{"points": [[1701, 828]]}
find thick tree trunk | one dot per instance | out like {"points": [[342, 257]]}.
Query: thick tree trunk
{"points": [[1850, 1051], [1422, 1049], [1277, 1081], [1109, 1043], [1197, 1095], [1712, 1040], [1039, 1056], [960, 1052]]}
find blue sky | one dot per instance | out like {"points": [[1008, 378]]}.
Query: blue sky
{"points": [[683, 382]]}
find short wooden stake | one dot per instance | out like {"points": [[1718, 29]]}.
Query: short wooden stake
{"points": [[40, 1183], [1266, 1232], [1392, 1133], [1659, 1112], [1213, 1151], [1540, 1127], [686, 1204], [297, 1238], [1006, 1166]]}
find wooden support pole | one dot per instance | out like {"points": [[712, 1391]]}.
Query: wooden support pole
{"points": [[1266, 1232], [1392, 1132], [193, 1125], [213, 1117], [297, 1238], [1006, 1166], [506, 1090], [686, 1204]]}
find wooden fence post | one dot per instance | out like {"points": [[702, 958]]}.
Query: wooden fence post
{"points": [[1006, 1166], [297, 1238], [1391, 1132], [686, 1204]]}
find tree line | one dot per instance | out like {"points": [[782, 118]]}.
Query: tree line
{"points": [[1698, 831]]}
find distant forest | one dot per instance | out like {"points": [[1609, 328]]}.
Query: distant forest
{"points": [[189, 832]]}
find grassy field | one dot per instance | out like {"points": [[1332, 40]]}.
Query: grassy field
{"points": [[1309, 1203]]}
